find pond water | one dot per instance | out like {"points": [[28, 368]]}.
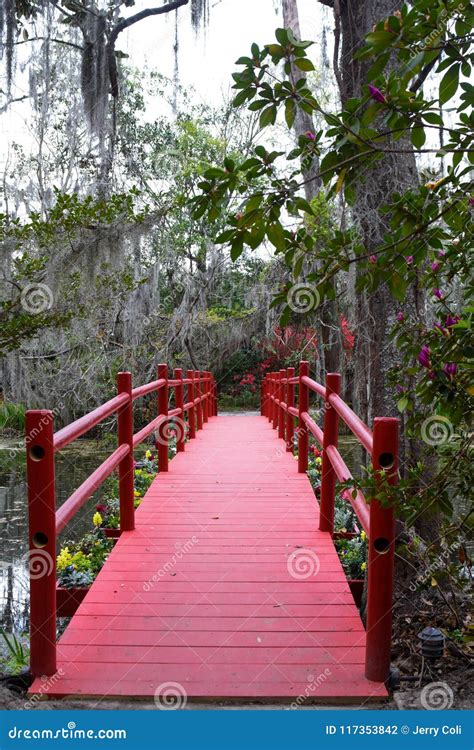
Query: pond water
{"points": [[73, 466]]}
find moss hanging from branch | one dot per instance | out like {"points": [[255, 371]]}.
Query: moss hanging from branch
{"points": [[8, 31], [94, 70], [199, 13]]}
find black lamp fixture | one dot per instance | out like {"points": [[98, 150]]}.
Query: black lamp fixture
{"points": [[432, 643]]}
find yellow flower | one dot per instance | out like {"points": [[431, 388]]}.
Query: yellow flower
{"points": [[97, 519], [363, 536], [64, 559], [363, 566], [136, 493], [138, 472], [148, 455], [318, 461]]}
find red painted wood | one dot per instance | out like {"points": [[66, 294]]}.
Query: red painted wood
{"points": [[42, 540], [330, 438], [202, 592]]}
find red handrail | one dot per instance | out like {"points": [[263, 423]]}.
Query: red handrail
{"points": [[376, 518], [46, 522]]}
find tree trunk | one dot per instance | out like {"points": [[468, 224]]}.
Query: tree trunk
{"points": [[328, 329]]}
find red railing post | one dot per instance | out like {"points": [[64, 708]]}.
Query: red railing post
{"points": [[303, 406], [328, 475], [42, 541], [179, 403], [125, 468], [290, 400], [381, 553], [163, 432], [205, 402], [199, 409], [271, 390], [192, 411], [281, 411], [216, 410], [262, 398], [276, 392]]}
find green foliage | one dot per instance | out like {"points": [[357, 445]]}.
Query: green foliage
{"points": [[18, 657], [12, 416]]}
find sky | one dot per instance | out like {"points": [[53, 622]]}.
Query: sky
{"points": [[207, 60]]}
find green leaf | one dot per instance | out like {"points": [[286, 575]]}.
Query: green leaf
{"points": [[282, 36], [449, 84], [290, 112], [304, 64], [268, 116], [276, 235], [418, 137], [402, 404]]}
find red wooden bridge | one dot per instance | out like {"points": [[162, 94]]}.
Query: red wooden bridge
{"points": [[224, 583]]}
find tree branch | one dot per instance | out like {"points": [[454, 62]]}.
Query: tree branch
{"points": [[424, 74], [125, 23], [328, 3]]}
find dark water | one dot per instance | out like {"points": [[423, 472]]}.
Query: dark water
{"points": [[73, 466]]}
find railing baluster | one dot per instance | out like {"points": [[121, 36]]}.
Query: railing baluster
{"points": [[42, 541], [290, 400], [125, 468], [192, 410], [281, 411], [163, 431], [303, 406], [328, 475], [199, 409], [276, 393], [381, 554], [179, 403], [205, 403]]}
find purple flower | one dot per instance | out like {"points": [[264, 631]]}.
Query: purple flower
{"points": [[376, 94], [450, 370], [424, 356], [400, 317], [441, 253], [373, 259], [438, 293], [471, 201], [451, 320], [432, 375], [400, 389], [440, 328], [409, 259], [309, 134], [435, 265]]}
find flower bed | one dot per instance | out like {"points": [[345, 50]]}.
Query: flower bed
{"points": [[349, 541], [79, 562]]}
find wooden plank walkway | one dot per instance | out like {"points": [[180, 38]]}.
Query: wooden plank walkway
{"points": [[225, 587]]}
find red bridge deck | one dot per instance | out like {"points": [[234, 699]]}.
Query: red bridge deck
{"points": [[226, 587]]}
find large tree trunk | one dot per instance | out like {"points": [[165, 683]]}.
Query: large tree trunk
{"points": [[328, 329], [375, 354]]}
